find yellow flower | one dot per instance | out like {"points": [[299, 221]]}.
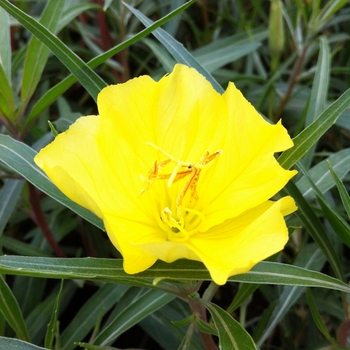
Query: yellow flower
{"points": [[176, 170]]}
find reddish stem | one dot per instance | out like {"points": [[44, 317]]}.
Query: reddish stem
{"points": [[39, 219], [292, 82], [202, 312]]}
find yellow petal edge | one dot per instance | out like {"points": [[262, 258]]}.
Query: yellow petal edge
{"points": [[176, 170]]}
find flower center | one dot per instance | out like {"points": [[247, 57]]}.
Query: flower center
{"points": [[182, 169]]}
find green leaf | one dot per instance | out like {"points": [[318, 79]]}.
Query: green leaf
{"points": [[231, 334], [310, 135], [97, 306], [16, 246], [314, 228], [310, 257], [159, 326], [84, 74], [72, 10], [216, 59], [149, 302], [5, 45], [329, 10], [40, 313], [205, 327], [9, 195], [176, 49], [244, 292], [37, 52], [52, 326], [111, 271], [19, 157], [321, 175], [319, 92], [66, 83], [344, 195], [186, 343], [259, 330], [7, 102], [88, 346], [107, 3], [317, 317], [15, 344], [339, 225], [184, 322], [11, 311]]}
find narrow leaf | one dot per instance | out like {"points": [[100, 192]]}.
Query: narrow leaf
{"points": [[9, 195], [339, 225], [309, 257], [216, 59], [66, 83], [310, 135], [231, 334], [321, 175], [245, 291], [41, 313], [16, 344], [319, 92], [186, 341], [314, 228], [344, 195], [205, 327], [176, 49], [73, 9], [97, 306], [111, 270], [84, 74], [317, 317], [329, 10], [11, 311], [52, 326], [149, 302], [5, 45], [7, 102], [37, 52]]}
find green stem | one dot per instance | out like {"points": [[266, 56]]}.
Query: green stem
{"points": [[210, 291]]}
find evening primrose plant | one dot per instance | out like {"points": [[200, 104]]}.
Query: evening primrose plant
{"points": [[176, 170], [174, 208]]}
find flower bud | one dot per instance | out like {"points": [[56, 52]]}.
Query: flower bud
{"points": [[276, 30]]}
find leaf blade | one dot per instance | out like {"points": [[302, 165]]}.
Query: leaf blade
{"points": [[37, 52], [231, 334], [176, 49], [111, 270], [51, 95], [310, 135], [11, 311], [84, 74]]}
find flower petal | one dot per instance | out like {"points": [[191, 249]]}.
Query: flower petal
{"points": [[141, 249], [235, 246], [247, 172], [183, 119], [72, 162]]}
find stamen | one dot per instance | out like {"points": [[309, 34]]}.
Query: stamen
{"points": [[153, 174], [193, 170]]}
